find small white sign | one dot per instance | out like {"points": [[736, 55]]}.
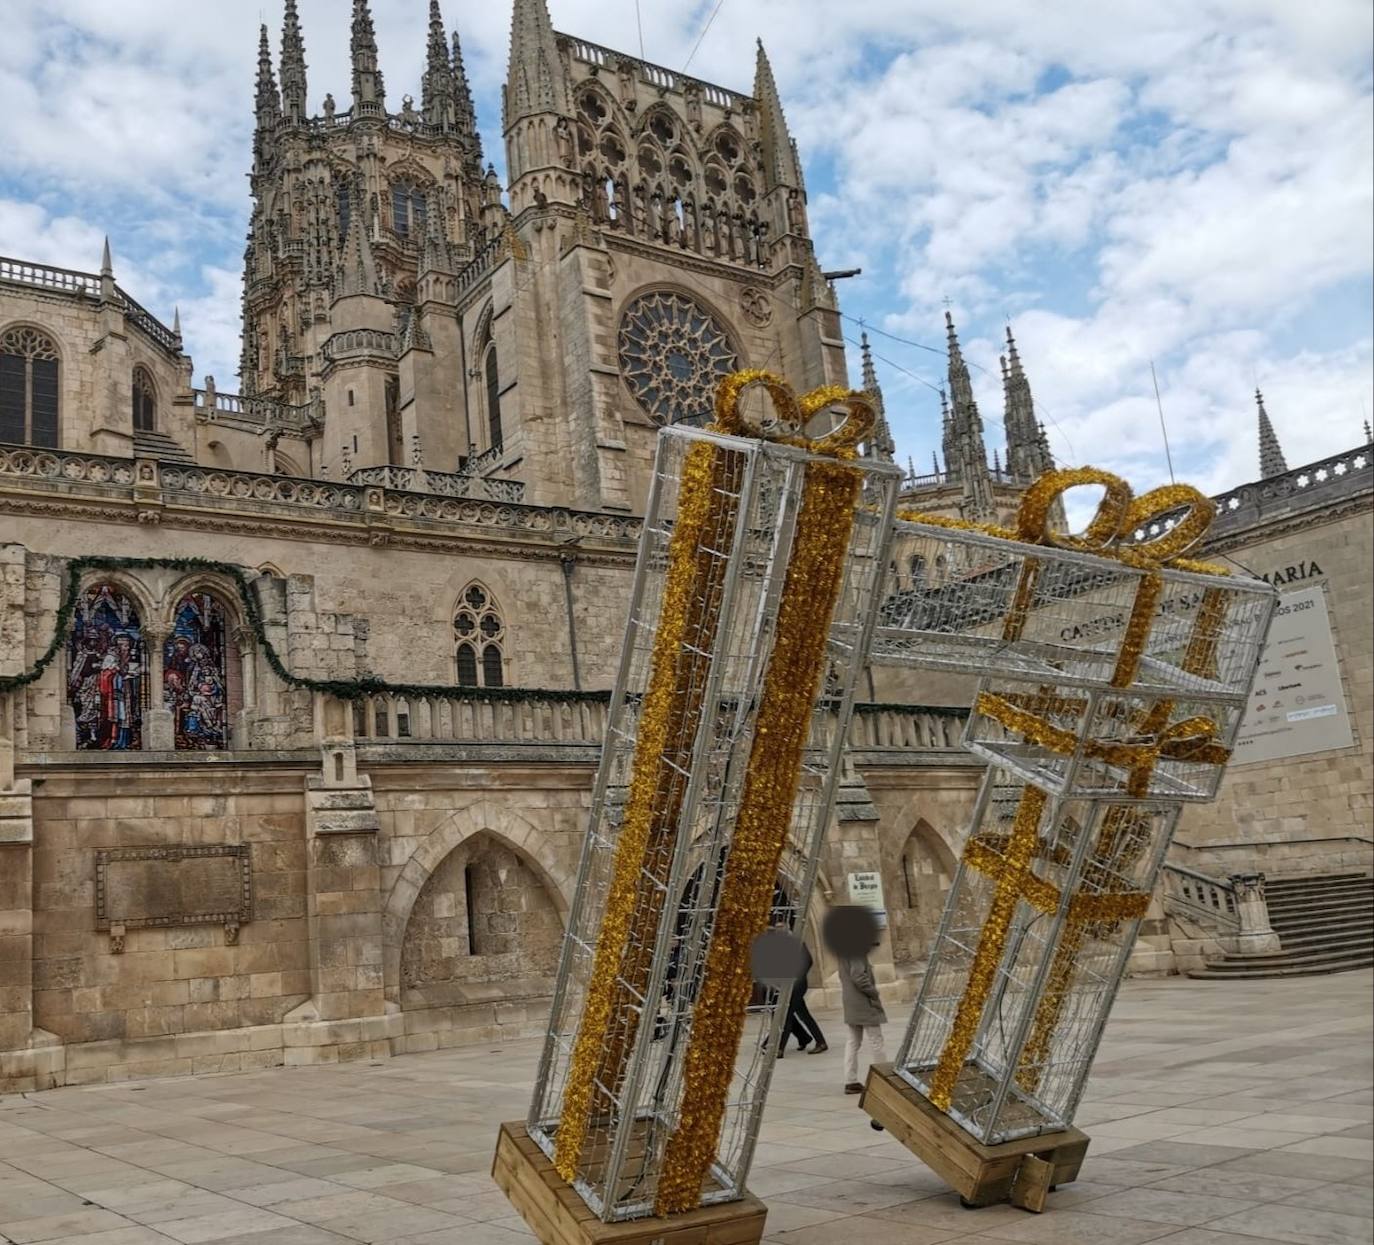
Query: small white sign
{"points": [[866, 891]]}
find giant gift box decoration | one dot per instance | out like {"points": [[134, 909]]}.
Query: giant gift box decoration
{"points": [[1114, 673], [751, 615]]}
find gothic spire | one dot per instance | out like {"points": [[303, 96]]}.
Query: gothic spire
{"points": [[358, 273], [1026, 459], [535, 78], [436, 91], [465, 114], [779, 155], [293, 91], [268, 104], [1272, 461], [870, 373], [880, 441], [966, 434], [369, 93]]}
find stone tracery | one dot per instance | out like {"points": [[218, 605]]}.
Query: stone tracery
{"points": [[673, 353]]}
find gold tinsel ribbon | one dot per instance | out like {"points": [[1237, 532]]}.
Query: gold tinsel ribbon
{"points": [[668, 724], [796, 665], [1192, 739]]}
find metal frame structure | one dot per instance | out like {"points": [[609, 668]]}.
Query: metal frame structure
{"points": [[617, 1175], [1040, 919]]}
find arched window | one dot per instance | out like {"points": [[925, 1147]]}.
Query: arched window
{"points": [[145, 401], [28, 388], [107, 671], [479, 634], [492, 371], [407, 210], [195, 674]]}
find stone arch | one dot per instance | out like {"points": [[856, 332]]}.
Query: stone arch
{"points": [[517, 833], [918, 882]]}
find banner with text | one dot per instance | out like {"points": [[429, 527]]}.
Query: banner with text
{"points": [[1298, 704]]}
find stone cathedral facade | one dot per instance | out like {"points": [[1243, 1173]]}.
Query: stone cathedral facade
{"points": [[303, 681]]}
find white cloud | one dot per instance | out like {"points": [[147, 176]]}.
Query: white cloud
{"points": [[1167, 180]]}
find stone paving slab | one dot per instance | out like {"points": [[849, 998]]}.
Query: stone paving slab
{"points": [[1221, 1113]]}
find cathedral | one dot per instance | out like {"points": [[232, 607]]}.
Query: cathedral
{"points": [[303, 685]]}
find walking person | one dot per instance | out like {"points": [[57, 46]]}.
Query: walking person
{"points": [[800, 1023], [864, 1017], [850, 933]]}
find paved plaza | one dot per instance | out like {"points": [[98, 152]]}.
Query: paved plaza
{"points": [[1220, 1114]]}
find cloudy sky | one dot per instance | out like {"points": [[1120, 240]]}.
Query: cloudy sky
{"points": [[1183, 181]]}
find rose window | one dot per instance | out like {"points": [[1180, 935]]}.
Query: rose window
{"points": [[673, 353]]}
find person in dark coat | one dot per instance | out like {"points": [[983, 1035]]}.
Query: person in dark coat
{"points": [[800, 1023]]}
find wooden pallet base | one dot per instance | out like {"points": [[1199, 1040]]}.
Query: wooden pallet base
{"points": [[1021, 1172], [558, 1216]]}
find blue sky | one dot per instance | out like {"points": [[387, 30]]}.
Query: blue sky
{"points": [[1183, 182]]}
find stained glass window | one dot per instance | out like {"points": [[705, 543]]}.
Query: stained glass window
{"points": [[673, 353], [195, 674], [107, 671]]}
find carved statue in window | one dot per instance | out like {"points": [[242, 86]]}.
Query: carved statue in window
{"points": [[479, 633], [106, 671], [195, 671], [28, 388], [145, 400]]}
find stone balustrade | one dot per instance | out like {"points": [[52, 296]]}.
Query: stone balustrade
{"points": [[1208, 901], [580, 718], [444, 483], [255, 414], [460, 500], [90, 285]]}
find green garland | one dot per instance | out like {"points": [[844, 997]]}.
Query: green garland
{"points": [[343, 689]]}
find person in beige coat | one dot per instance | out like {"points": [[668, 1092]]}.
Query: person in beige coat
{"points": [[864, 1018]]}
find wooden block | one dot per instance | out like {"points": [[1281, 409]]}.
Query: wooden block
{"points": [[558, 1216], [1032, 1183], [980, 1174]]}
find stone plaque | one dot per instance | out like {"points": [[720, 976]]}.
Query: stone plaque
{"points": [[138, 887]]}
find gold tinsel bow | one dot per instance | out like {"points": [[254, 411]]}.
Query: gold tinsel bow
{"points": [[1120, 514]]}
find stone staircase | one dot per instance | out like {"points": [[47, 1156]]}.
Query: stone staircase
{"points": [[149, 444], [1325, 925]]}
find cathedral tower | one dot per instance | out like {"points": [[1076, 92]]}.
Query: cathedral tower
{"points": [[347, 206]]}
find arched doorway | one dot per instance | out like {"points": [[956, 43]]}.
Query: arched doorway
{"points": [[483, 917], [925, 871]]}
